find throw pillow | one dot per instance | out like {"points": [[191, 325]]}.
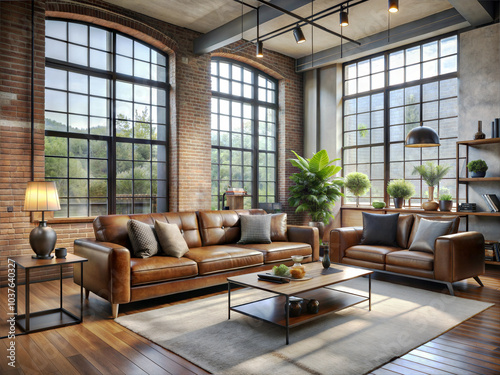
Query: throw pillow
{"points": [[142, 238], [171, 241], [255, 229], [427, 232], [379, 230], [278, 227]]}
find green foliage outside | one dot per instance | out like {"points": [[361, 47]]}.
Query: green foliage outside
{"points": [[315, 189], [445, 197], [358, 183], [477, 166], [431, 173], [400, 189]]}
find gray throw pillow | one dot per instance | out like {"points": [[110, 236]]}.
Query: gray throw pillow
{"points": [[142, 238], [171, 241], [427, 232], [255, 229], [380, 230]]}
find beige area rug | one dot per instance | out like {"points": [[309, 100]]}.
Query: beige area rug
{"points": [[352, 341]]}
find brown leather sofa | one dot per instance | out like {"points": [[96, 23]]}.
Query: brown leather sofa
{"points": [[457, 256], [114, 274]]}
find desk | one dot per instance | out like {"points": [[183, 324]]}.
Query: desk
{"points": [[40, 320]]}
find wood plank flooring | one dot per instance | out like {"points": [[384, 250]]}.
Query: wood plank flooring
{"points": [[101, 346]]}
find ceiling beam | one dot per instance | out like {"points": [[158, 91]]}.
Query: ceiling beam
{"points": [[231, 31], [378, 42], [476, 12]]}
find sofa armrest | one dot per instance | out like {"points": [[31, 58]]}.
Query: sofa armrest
{"points": [[341, 239], [107, 272], [303, 233], [459, 256]]}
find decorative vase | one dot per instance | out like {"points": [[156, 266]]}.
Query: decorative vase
{"points": [[479, 134], [326, 259], [398, 202], [477, 174], [313, 306], [294, 306], [430, 205], [321, 228], [445, 205]]}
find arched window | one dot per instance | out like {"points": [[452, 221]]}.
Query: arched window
{"points": [[106, 114], [244, 132]]}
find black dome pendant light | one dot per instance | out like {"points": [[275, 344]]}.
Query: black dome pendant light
{"points": [[422, 136]]}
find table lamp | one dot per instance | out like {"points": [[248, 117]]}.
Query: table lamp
{"points": [[42, 196]]}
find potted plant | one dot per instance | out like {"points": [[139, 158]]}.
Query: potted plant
{"points": [[315, 190], [400, 190], [445, 202], [477, 168], [431, 174], [358, 184]]}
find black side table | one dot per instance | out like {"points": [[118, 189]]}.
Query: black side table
{"points": [[54, 318]]}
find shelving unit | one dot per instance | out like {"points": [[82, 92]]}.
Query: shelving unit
{"points": [[466, 180]]}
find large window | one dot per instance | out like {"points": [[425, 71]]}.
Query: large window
{"points": [[106, 116], [244, 132], [386, 96]]}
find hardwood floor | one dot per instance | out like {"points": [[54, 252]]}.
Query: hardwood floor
{"points": [[101, 346]]}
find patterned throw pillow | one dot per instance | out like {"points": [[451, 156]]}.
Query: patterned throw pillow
{"points": [[142, 238], [255, 229], [171, 241]]}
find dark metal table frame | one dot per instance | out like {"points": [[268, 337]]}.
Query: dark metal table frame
{"points": [[48, 319], [287, 324]]}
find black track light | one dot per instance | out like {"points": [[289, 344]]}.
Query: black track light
{"points": [[344, 18], [393, 6], [299, 35], [260, 49]]}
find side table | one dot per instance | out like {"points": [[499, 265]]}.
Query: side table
{"points": [[58, 317]]}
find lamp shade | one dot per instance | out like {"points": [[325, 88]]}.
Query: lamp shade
{"points": [[299, 35], [422, 136], [260, 49], [41, 196], [393, 6], [344, 18]]}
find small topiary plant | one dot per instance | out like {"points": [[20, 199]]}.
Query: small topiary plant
{"points": [[400, 189], [477, 166], [445, 197], [358, 183]]}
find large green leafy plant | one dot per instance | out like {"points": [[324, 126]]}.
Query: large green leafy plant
{"points": [[316, 189]]}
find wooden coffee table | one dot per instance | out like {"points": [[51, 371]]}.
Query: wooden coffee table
{"points": [[275, 309]]}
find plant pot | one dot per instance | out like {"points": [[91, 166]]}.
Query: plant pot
{"points": [[477, 174], [398, 202], [445, 205], [321, 227]]}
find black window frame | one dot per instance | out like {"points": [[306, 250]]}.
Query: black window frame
{"points": [[112, 139]]}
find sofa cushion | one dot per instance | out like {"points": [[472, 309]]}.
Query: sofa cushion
{"points": [[281, 251], [170, 238], [278, 227], [405, 223], [411, 259], [219, 227], [255, 229], [159, 269], [427, 232], [374, 254], [220, 258], [188, 225], [454, 219], [379, 230], [142, 238]]}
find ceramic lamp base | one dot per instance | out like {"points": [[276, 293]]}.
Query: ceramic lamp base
{"points": [[43, 240]]}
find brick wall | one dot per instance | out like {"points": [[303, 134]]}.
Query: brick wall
{"points": [[189, 112]]}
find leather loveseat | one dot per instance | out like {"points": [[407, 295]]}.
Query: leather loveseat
{"points": [[113, 273], [456, 256]]}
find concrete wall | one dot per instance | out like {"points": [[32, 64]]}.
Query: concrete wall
{"points": [[479, 100]]}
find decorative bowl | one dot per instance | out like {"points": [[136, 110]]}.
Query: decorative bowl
{"points": [[297, 258], [378, 205]]}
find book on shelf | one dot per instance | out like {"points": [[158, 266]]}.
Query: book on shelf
{"points": [[492, 250], [489, 204], [493, 201]]}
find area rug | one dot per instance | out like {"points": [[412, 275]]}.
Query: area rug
{"points": [[352, 341]]}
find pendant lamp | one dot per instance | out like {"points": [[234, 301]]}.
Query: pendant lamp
{"points": [[422, 136]]}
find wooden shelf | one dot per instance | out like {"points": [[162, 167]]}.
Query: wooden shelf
{"points": [[416, 210], [495, 263], [474, 142], [477, 179]]}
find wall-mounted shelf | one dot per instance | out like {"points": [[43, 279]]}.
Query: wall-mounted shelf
{"points": [[464, 180]]}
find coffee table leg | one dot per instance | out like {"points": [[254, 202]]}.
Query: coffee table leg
{"points": [[228, 301], [370, 292], [287, 305]]}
